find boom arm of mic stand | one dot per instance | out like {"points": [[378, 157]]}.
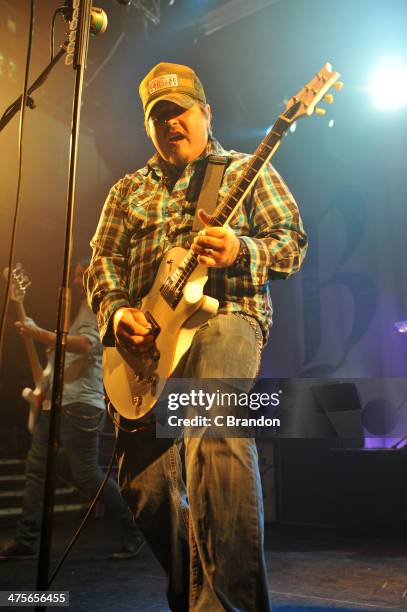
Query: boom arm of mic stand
{"points": [[16, 105]]}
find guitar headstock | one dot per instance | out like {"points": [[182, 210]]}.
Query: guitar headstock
{"points": [[304, 103], [19, 283]]}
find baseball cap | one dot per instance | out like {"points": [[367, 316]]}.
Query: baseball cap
{"points": [[173, 82]]}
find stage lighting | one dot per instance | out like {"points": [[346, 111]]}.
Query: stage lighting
{"points": [[388, 85]]}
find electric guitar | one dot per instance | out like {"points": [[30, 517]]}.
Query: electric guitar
{"points": [[176, 305], [34, 397]]}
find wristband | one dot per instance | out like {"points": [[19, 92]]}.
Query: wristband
{"points": [[243, 255]]}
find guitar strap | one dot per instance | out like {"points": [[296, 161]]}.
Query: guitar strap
{"points": [[208, 195]]}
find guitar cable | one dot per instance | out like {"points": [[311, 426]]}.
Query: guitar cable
{"points": [[24, 101], [116, 421]]}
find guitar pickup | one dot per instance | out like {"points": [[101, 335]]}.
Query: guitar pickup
{"points": [[155, 328]]}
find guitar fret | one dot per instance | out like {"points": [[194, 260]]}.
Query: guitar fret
{"points": [[222, 214], [250, 169], [264, 153], [255, 163], [263, 159], [273, 133], [225, 211], [222, 217], [280, 127]]}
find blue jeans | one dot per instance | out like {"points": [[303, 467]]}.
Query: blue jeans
{"points": [[207, 533], [79, 435]]}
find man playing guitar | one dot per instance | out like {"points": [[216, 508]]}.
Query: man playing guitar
{"points": [[208, 532]]}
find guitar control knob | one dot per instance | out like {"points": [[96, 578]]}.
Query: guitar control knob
{"points": [[138, 376], [155, 354], [137, 400], [152, 380]]}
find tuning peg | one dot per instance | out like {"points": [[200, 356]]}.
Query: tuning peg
{"points": [[329, 98], [338, 85], [320, 111]]}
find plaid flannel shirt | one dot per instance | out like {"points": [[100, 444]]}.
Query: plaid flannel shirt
{"points": [[143, 217]]}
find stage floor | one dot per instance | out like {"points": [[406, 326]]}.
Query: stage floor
{"points": [[309, 569]]}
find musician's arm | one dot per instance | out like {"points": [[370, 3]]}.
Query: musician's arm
{"points": [[74, 343], [106, 277], [278, 242]]}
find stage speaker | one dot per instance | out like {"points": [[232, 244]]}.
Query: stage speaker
{"points": [[371, 491], [316, 420], [305, 482]]}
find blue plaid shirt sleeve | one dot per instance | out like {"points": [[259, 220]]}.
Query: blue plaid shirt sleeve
{"points": [[106, 277], [278, 243]]}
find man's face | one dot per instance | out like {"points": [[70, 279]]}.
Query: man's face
{"points": [[179, 135]]}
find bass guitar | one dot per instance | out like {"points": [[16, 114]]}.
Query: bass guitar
{"points": [[176, 305], [41, 376]]}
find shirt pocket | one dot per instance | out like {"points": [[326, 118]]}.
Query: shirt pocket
{"points": [[144, 215]]}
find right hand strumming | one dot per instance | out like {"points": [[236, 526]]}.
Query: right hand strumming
{"points": [[132, 330]]}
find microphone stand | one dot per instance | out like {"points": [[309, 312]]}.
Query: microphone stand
{"points": [[81, 48], [16, 105]]}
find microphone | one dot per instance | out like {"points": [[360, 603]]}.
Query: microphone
{"points": [[98, 21]]}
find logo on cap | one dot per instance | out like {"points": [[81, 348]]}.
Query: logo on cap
{"points": [[168, 80]]}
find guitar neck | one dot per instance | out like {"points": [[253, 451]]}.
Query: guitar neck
{"points": [[261, 156], [35, 364]]}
